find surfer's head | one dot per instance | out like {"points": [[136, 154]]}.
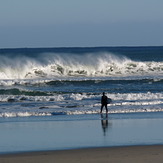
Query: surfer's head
{"points": [[103, 93]]}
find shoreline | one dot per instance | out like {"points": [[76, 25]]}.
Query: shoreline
{"points": [[124, 154]]}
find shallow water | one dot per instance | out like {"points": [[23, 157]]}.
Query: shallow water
{"points": [[79, 131]]}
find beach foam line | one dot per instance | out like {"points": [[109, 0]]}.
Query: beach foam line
{"points": [[75, 112]]}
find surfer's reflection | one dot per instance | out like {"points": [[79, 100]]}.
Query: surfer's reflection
{"points": [[104, 122]]}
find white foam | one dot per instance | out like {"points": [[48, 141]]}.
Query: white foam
{"points": [[129, 97], [79, 104], [77, 112], [23, 114], [88, 65]]}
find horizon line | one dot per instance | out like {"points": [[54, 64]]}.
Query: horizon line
{"points": [[78, 47]]}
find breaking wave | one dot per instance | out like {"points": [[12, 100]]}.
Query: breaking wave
{"points": [[54, 65]]}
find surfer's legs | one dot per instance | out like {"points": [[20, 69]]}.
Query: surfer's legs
{"points": [[105, 108], [101, 108]]}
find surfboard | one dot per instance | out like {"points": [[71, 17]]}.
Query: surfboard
{"points": [[109, 100]]}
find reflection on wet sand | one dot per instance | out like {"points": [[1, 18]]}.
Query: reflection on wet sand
{"points": [[104, 123]]}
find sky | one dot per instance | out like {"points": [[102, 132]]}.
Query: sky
{"points": [[80, 23]]}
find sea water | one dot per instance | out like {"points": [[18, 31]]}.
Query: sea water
{"points": [[42, 84]]}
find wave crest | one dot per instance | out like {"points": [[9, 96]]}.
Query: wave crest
{"points": [[74, 65]]}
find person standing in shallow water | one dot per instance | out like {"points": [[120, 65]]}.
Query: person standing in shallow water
{"points": [[104, 102]]}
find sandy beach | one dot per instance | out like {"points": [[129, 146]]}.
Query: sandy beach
{"points": [[128, 154]]}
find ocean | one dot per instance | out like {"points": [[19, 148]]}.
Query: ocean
{"points": [[54, 81], [50, 97]]}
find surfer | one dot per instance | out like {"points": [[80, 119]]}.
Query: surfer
{"points": [[104, 102]]}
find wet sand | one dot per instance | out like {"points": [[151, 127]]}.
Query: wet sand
{"points": [[134, 154], [45, 134]]}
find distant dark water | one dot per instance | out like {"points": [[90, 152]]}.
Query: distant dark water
{"points": [[135, 53]]}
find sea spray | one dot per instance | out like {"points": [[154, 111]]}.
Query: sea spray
{"points": [[52, 65]]}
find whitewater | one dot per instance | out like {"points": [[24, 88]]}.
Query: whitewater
{"points": [[65, 81], [73, 65]]}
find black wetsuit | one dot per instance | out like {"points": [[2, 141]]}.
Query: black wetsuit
{"points": [[104, 103]]}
